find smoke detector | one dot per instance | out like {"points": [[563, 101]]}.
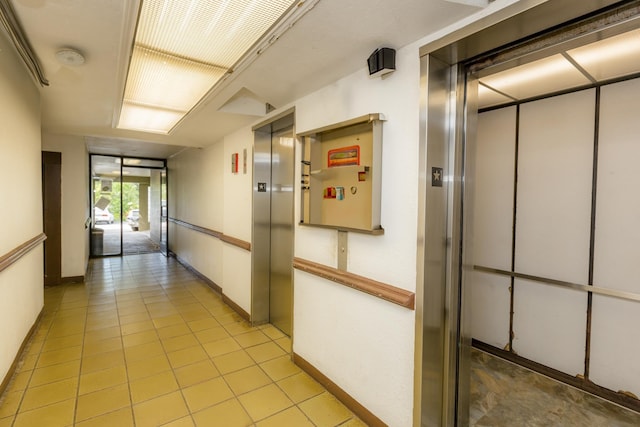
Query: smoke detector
{"points": [[69, 57]]}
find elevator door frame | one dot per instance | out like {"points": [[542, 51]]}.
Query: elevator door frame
{"points": [[261, 222]]}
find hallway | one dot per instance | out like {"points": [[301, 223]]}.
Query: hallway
{"points": [[145, 343]]}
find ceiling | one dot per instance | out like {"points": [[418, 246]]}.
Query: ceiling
{"points": [[333, 39]]}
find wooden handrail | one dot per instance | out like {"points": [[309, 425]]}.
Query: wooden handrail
{"points": [[381, 290], [14, 255], [217, 234]]}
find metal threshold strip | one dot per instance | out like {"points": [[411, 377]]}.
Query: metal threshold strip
{"points": [[630, 296]]}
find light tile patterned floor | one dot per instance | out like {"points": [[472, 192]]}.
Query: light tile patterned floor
{"points": [[145, 343]]}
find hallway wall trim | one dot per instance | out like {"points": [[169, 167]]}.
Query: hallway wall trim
{"points": [[352, 404], [214, 287], [214, 233], [12, 369], [372, 287], [620, 397], [15, 254]]}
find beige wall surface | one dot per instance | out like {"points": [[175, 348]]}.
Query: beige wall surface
{"points": [[21, 285], [75, 200]]}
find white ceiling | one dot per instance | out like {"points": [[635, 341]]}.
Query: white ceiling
{"points": [[332, 40]]}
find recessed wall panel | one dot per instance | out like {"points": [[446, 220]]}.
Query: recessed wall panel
{"points": [[553, 223], [549, 325], [614, 344], [555, 169], [614, 349], [617, 234], [494, 182], [490, 306]]}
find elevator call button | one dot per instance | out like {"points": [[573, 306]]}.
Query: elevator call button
{"points": [[262, 187]]}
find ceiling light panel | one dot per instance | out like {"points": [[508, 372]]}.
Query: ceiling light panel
{"points": [[610, 58], [183, 47], [489, 98], [537, 78]]}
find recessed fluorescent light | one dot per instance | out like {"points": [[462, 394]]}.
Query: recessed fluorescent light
{"points": [[182, 48]]}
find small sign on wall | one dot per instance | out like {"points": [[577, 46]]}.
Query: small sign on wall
{"points": [[234, 163]]}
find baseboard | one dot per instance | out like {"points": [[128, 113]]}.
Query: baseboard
{"points": [[213, 285], [354, 406], [14, 365], [246, 316]]}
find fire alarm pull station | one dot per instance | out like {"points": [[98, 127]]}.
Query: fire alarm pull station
{"points": [[234, 163]]}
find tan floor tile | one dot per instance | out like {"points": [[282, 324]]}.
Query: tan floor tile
{"points": [[10, 403], [59, 356], [325, 410], [272, 332], [20, 381], [247, 379], [202, 324], [102, 334], [102, 402], [233, 361], [47, 394], [264, 402], [180, 342], [187, 356], [146, 367], [102, 346], [251, 339], [237, 328], [62, 343], [224, 346], [231, 411], [292, 417], [160, 410], [143, 351], [267, 351], [57, 415], [153, 386], [228, 317], [120, 418], [96, 326], [174, 330], [131, 307], [63, 330], [354, 422], [198, 372], [284, 343], [55, 373], [6, 422], [300, 387], [140, 338], [133, 328], [213, 334], [181, 422], [27, 362], [193, 315], [162, 322], [99, 380], [280, 368], [207, 394], [127, 319], [102, 361]]}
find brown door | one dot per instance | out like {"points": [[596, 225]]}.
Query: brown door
{"points": [[52, 215]]}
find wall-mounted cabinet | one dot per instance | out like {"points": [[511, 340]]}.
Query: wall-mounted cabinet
{"points": [[341, 175]]}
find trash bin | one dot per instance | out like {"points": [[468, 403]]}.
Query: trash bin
{"points": [[97, 241]]}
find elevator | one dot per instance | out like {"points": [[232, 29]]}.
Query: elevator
{"points": [[273, 213], [527, 303]]}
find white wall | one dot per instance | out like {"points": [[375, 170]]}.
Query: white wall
{"points": [[204, 192], [364, 344], [75, 203], [21, 285]]}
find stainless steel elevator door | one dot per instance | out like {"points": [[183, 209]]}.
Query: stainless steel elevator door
{"points": [[282, 172]]}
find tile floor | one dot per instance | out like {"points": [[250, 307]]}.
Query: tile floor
{"points": [[145, 343]]}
